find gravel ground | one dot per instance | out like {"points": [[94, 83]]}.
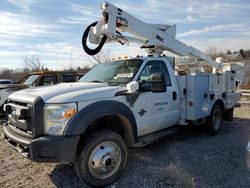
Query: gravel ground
{"points": [[190, 158]]}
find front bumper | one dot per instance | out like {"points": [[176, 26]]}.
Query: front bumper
{"points": [[56, 149]]}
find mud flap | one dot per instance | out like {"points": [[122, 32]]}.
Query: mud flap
{"points": [[228, 114]]}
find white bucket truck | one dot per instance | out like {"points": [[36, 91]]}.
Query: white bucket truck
{"points": [[118, 104]]}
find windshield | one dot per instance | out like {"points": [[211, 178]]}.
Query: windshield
{"points": [[29, 80], [113, 73]]}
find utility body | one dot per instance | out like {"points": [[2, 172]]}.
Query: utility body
{"points": [[118, 104]]}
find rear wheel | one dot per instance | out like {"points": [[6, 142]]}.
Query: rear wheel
{"points": [[102, 159], [214, 121]]}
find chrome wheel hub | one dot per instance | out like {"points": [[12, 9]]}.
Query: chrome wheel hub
{"points": [[105, 160]]}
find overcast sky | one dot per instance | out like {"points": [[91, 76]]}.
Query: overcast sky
{"points": [[52, 29]]}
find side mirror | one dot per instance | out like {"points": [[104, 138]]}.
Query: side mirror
{"points": [[157, 83], [132, 87]]}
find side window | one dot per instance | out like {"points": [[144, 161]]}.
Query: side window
{"points": [[48, 80], [5, 82], [68, 77], [155, 67]]}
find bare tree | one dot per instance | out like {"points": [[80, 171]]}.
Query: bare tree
{"points": [[247, 53], [32, 63], [101, 57], [242, 53], [69, 67], [213, 52], [5, 74], [13, 74], [228, 52]]}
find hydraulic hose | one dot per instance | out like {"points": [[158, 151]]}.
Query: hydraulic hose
{"points": [[84, 42]]}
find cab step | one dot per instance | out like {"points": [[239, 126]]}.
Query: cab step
{"points": [[152, 137]]}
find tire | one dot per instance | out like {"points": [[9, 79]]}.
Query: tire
{"points": [[102, 159], [214, 120], [2, 113]]}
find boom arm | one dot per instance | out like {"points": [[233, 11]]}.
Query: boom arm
{"points": [[154, 38]]}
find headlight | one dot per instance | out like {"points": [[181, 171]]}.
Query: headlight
{"points": [[56, 117]]}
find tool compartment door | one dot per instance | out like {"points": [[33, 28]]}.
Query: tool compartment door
{"points": [[197, 96]]}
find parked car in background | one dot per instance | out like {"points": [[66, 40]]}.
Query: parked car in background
{"points": [[35, 79], [79, 76], [6, 81]]}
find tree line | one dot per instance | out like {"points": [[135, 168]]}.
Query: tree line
{"points": [[228, 55], [34, 63]]}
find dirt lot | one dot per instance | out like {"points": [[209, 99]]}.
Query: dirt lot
{"points": [[190, 158]]}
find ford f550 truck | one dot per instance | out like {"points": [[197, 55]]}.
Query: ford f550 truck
{"points": [[118, 104]]}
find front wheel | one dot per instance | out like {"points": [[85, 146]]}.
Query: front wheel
{"points": [[214, 121], [103, 158]]}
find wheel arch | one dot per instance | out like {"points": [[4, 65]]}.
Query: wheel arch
{"points": [[104, 115], [219, 102]]}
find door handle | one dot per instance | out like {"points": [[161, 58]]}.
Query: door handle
{"points": [[174, 95]]}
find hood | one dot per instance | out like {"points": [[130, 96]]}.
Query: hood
{"points": [[69, 92], [9, 86]]}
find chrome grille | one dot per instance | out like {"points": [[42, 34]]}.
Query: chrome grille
{"points": [[19, 116]]}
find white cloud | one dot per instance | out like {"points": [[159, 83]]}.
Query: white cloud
{"points": [[81, 14], [8, 44], [23, 4], [190, 18], [190, 9], [56, 50], [152, 3], [5, 53], [245, 33], [222, 44], [202, 11], [205, 11], [56, 55], [52, 59], [21, 25], [232, 27], [81, 20], [183, 8], [80, 9], [215, 16]]}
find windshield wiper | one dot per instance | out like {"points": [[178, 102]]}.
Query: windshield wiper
{"points": [[113, 84], [97, 81]]}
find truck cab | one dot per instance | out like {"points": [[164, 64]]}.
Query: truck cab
{"points": [[44, 78], [154, 101]]}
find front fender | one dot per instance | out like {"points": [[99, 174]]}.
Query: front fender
{"points": [[80, 122]]}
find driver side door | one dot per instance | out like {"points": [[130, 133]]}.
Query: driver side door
{"points": [[153, 109]]}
